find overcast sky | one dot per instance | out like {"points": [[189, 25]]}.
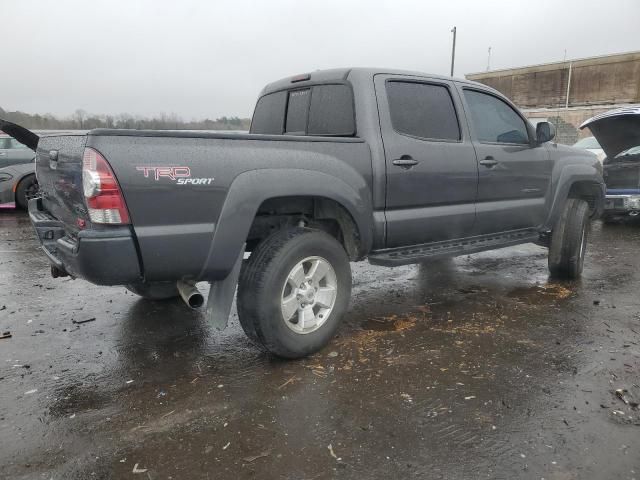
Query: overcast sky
{"points": [[202, 58]]}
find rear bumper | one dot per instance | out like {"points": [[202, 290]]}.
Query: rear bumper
{"points": [[622, 202], [103, 257]]}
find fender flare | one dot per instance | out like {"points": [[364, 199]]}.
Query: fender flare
{"points": [[20, 178], [569, 176], [251, 188]]}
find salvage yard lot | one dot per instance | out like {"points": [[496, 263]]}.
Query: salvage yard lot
{"points": [[480, 367]]}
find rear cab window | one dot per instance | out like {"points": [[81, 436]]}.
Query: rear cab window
{"points": [[321, 110], [298, 112]]}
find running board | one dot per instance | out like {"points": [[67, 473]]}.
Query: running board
{"points": [[392, 257]]}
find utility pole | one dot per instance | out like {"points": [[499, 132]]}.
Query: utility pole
{"points": [[566, 102], [453, 50], [489, 59]]}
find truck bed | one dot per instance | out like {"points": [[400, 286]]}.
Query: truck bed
{"points": [[175, 184]]}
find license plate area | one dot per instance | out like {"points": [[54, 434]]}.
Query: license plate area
{"points": [[614, 203]]}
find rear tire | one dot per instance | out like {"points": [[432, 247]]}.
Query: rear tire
{"points": [[569, 240], [154, 291], [293, 291], [26, 190]]}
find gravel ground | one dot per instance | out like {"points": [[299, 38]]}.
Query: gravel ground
{"points": [[478, 367]]}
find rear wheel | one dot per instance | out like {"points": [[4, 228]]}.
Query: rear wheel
{"points": [[569, 240], [154, 291], [293, 291], [26, 190]]}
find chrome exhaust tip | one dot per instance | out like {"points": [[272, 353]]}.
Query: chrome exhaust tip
{"points": [[190, 294]]}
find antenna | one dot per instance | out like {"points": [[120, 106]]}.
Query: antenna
{"points": [[453, 49]]}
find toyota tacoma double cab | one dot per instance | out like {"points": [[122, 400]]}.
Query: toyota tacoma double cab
{"points": [[618, 131], [339, 166]]}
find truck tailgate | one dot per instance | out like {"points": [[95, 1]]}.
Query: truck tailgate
{"points": [[59, 173]]}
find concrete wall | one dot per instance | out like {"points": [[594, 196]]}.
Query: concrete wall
{"points": [[612, 79]]}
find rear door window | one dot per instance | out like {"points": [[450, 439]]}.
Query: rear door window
{"points": [[331, 111], [494, 120], [423, 110]]}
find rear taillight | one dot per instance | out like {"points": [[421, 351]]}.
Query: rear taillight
{"points": [[101, 190]]}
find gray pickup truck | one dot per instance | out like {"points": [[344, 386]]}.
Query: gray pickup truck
{"points": [[339, 166]]}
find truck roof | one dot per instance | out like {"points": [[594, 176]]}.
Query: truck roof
{"points": [[342, 74]]}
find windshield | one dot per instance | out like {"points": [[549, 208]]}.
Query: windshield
{"points": [[589, 142]]}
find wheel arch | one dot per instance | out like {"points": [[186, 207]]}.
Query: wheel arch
{"points": [[576, 181], [317, 212], [348, 204]]}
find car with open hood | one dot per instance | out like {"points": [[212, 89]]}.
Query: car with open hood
{"points": [[590, 144], [618, 132]]}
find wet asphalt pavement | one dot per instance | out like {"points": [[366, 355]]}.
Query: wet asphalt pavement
{"points": [[479, 367]]}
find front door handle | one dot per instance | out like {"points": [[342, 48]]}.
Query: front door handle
{"points": [[489, 162], [3, 154], [405, 161]]}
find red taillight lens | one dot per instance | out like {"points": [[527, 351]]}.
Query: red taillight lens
{"points": [[101, 190]]}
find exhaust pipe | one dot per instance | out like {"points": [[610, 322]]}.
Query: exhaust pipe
{"points": [[190, 294], [57, 272]]}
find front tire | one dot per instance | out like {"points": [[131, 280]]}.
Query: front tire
{"points": [[154, 291], [293, 291], [569, 240], [26, 190]]}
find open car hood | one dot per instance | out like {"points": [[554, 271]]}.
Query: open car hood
{"points": [[21, 134], [616, 130]]}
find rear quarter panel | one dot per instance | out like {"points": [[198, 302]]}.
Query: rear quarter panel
{"points": [[175, 223]]}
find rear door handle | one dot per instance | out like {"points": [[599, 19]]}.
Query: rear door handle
{"points": [[489, 162], [3, 154], [405, 161]]}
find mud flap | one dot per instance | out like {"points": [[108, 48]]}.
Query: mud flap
{"points": [[221, 296]]}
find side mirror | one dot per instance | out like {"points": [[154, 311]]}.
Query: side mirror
{"points": [[545, 132]]}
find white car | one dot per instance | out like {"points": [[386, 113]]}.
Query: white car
{"points": [[592, 145]]}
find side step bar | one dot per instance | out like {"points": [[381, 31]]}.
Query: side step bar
{"points": [[392, 257]]}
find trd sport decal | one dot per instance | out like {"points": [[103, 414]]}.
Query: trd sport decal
{"points": [[181, 175]]}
